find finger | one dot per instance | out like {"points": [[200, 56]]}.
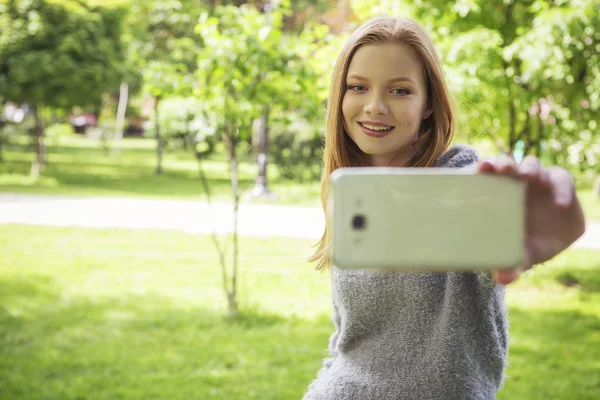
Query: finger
{"points": [[486, 166], [506, 276], [562, 186], [544, 177], [506, 165], [530, 167]]}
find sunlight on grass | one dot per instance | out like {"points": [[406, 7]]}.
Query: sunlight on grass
{"points": [[555, 329], [81, 167], [27, 180], [80, 308], [590, 204], [124, 314]]}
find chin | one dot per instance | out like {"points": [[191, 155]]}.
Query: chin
{"points": [[370, 150], [375, 149]]}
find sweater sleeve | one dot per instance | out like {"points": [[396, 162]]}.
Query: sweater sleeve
{"points": [[332, 348], [460, 156]]}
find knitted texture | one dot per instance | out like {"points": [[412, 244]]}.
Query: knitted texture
{"points": [[416, 335]]}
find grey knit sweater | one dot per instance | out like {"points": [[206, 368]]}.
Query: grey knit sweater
{"points": [[415, 335]]}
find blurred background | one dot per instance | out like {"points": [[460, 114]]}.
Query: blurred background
{"points": [[159, 193]]}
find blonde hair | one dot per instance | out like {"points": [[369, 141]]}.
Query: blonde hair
{"points": [[436, 131]]}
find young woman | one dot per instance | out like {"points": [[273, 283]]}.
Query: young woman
{"points": [[420, 335]]}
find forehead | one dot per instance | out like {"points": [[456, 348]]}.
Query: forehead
{"points": [[386, 61]]}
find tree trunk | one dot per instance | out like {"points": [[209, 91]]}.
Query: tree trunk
{"points": [[512, 126], [230, 294], [2, 136], [540, 136], [120, 121], [526, 135], [231, 145], [261, 188], [40, 147], [159, 140]]}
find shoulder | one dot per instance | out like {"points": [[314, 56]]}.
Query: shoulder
{"points": [[458, 156]]}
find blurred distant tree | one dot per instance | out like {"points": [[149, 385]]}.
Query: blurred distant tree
{"points": [[58, 54], [164, 48]]}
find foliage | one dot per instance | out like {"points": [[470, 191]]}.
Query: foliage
{"points": [[560, 62], [163, 45], [59, 54], [530, 72], [295, 147], [247, 61], [524, 72], [57, 133], [181, 121]]}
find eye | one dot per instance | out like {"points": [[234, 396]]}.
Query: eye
{"points": [[400, 92], [357, 88]]}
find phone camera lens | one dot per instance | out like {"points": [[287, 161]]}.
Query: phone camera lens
{"points": [[358, 222]]}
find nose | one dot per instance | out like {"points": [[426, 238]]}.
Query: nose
{"points": [[376, 106]]}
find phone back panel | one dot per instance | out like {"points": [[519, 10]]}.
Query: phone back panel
{"points": [[425, 219]]}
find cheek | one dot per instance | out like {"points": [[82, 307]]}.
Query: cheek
{"points": [[405, 127], [349, 107], [408, 118]]}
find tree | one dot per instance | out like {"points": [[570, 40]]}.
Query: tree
{"points": [[525, 72], [559, 61], [246, 63], [164, 47], [58, 54]]}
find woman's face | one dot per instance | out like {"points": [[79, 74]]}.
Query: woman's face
{"points": [[385, 101]]}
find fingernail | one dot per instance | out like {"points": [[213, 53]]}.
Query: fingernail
{"points": [[562, 200]]}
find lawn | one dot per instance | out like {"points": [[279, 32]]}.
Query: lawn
{"points": [[590, 204], [80, 167], [124, 314]]}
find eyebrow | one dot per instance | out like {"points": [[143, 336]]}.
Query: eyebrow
{"points": [[398, 79]]}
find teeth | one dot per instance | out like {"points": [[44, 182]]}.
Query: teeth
{"points": [[375, 128]]}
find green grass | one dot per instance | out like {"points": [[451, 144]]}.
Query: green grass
{"points": [[117, 314], [81, 167], [590, 204], [129, 314], [555, 330]]}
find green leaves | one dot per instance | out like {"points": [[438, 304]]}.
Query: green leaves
{"points": [[59, 53], [248, 61], [523, 71]]}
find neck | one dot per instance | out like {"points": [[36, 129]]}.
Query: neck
{"points": [[392, 160]]}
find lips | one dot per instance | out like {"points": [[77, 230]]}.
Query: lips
{"points": [[375, 129]]}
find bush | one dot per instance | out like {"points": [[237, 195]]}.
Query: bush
{"points": [[181, 122], [56, 131], [296, 148]]}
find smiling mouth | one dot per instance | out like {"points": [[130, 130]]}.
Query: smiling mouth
{"points": [[375, 131]]}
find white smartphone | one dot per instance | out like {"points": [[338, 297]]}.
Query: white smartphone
{"points": [[435, 219]]}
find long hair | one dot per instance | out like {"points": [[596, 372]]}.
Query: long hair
{"points": [[436, 131]]}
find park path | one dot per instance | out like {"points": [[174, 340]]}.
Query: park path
{"points": [[181, 215]]}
